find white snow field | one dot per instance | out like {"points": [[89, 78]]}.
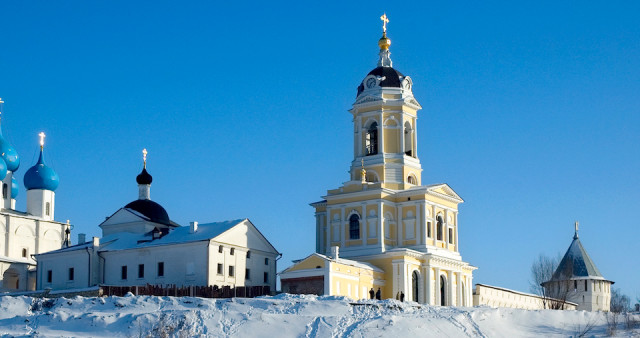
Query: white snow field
{"points": [[283, 316]]}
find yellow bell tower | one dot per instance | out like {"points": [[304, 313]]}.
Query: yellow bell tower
{"points": [[384, 215], [384, 117]]}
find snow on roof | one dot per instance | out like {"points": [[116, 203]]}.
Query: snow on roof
{"points": [[206, 231], [350, 262], [17, 260]]}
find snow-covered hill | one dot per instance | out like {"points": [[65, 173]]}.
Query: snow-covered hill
{"points": [[282, 316]]}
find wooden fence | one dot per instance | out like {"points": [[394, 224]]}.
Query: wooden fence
{"points": [[187, 291]]}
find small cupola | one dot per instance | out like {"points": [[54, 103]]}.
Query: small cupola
{"points": [[144, 179], [41, 176]]}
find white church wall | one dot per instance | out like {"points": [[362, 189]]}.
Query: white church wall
{"points": [[57, 266], [184, 264]]}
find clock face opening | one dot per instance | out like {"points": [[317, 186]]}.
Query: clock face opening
{"points": [[371, 83]]}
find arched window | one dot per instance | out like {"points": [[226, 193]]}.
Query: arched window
{"points": [[412, 180], [408, 139], [439, 227], [24, 252], [415, 284], [372, 139], [354, 227]]}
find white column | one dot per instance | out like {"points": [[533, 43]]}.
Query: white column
{"points": [[437, 287], [342, 228], [399, 226], [381, 135], [358, 143], [446, 228], [450, 287], [381, 226], [363, 225], [455, 230], [329, 230], [415, 140], [427, 283], [419, 224], [459, 289]]}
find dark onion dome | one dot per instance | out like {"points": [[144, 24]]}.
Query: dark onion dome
{"points": [[41, 176], [14, 188], [144, 177], [152, 210], [392, 78], [3, 169], [9, 154]]}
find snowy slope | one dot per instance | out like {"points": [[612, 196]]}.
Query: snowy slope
{"points": [[280, 316]]}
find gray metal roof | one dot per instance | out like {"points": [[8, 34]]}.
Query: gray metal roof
{"points": [[576, 263]]}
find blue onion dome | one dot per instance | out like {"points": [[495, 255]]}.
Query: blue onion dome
{"points": [[144, 177], [9, 154], [14, 187], [3, 169], [41, 176]]}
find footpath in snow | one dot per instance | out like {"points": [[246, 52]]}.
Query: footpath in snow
{"points": [[282, 316]]}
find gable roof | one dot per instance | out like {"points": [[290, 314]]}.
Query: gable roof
{"points": [[576, 263], [350, 262]]}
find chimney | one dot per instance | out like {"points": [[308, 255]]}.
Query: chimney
{"points": [[335, 250], [82, 238], [193, 227]]}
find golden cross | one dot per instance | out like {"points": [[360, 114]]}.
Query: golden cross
{"points": [[385, 21], [144, 156], [42, 135], [577, 226]]}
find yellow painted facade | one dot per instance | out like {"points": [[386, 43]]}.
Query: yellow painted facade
{"points": [[383, 216]]}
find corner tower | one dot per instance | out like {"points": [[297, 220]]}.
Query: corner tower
{"points": [[384, 215]]}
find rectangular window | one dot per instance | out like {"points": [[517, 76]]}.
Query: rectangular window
{"points": [[585, 285], [219, 269], [123, 272], [231, 271], [232, 251], [429, 229], [266, 261], [248, 254], [71, 273], [450, 236], [49, 276], [575, 285], [160, 269], [247, 274], [47, 207], [266, 277], [140, 270], [220, 249]]}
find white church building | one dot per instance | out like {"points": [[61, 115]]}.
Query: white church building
{"points": [[23, 234], [140, 245]]}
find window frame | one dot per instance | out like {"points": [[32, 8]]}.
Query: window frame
{"points": [[232, 271], [124, 274], [220, 269], [160, 269], [354, 227]]}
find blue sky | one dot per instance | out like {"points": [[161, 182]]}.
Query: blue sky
{"points": [[530, 112]]}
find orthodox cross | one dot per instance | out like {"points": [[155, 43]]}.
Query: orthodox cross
{"points": [[144, 157], [385, 20], [42, 135]]}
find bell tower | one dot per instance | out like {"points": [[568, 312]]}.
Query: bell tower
{"points": [[384, 119]]}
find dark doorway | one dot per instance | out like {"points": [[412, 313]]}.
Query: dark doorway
{"points": [[414, 284], [443, 295]]}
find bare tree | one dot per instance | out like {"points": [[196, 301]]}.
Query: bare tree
{"points": [[553, 293], [619, 302]]}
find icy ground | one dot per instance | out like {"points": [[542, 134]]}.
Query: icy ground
{"points": [[283, 316]]}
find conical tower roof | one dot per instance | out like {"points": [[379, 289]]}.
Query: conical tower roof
{"points": [[576, 263]]}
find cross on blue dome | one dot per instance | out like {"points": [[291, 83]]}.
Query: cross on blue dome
{"points": [[41, 176]]}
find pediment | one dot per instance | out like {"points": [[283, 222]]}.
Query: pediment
{"points": [[247, 235], [445, 189], [122, 216], [368, 98]]}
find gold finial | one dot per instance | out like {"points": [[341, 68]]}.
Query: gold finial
{"points": [[144, 157], [363, 172], [385, 20], [42, 135], [68, 222], [384, 42]]}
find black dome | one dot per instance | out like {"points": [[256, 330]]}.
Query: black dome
{"points": [[392, 78], [154, 211], [144, 177]]}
